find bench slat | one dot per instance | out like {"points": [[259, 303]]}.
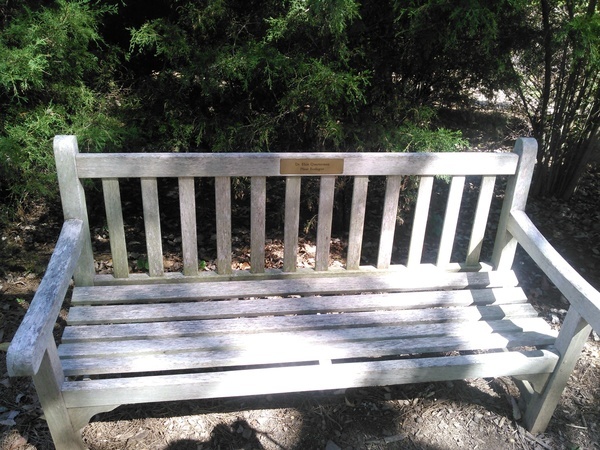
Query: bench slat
{"points": [[406, 280], [308, 378], [223, 213], [116, 229], [128, 165], [388, 221], [307, 305], [152, 226], [292, 222], [281, 348], [450, 221], [484, 202], [258, 200], [417, 237], [324, 220], [357, 222], [310, 340], [189, 233]]}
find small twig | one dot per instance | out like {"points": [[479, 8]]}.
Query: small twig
{"points": [[576, 426]]}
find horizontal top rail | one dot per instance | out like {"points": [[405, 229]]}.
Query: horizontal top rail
{"points": [[125, 165]]}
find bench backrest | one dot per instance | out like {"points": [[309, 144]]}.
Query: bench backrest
{"points": [[73, 167]]}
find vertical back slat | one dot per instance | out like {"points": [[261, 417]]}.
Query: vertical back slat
{"points": [[482, 212], [357, 222], [325, 218], [223, 216], [388, 222], [292, 221], [450, 220], [116, 229], [258, 200], [417, 238], [152, 226], [189, 233]]}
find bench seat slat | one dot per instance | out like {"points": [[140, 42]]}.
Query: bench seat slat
{"points": [[316, 339], [395, 282], [191, 328], [81, 315], [178, 354], [297, 379]]}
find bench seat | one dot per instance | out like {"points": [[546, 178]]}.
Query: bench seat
{"points": [[248, 334]]}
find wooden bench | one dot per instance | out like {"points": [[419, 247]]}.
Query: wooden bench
{"points": [[160, 336]]}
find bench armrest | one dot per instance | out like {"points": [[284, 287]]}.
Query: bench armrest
{"points": [[31, 340], [580, 294]]}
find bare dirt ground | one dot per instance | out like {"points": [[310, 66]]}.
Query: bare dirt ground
{"points": [[465, 414]]}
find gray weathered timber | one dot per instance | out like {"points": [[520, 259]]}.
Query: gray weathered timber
{"points": [[48, 381], [581, 295], [116, 229], [306, 378], [292, 222], [258, 214], [225, 332], [189, 233], [482, 212], [417, 239], [450, 221], [223, 210], [517, 190], [152, 226], [35, 332], [267, 164], [409, 280], [72, 197], [388, 221], [324, 223], [357, 222]]}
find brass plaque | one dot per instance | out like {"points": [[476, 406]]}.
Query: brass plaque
{"points": [[311, 166]]}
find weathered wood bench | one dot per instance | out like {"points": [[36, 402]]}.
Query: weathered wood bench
{"points": [[158, 336]]}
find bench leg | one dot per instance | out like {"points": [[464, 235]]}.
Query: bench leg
{"points": [[573, 336], [47, 382]]}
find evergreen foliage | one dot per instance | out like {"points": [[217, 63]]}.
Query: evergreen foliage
{"points": [[288, 75]]}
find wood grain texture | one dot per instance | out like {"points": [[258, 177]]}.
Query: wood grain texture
{"points": [[409, 280], [581, 295], [73, 202], [167, 312], [223, 211], [417, 237], [306, 378], [388, 221], [450, 221], [189, 233], [152, 226], [35, 332], [130, 165], [325, 218], [357, 222], [292, 222], [515, 198], [482, 212], [48, 383], [258, 206], [116, 229]]}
